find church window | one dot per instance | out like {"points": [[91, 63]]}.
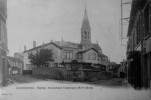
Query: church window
{"points": [[71, 55], [68, 55], [89, 56], [65, 55], [94, 56]]}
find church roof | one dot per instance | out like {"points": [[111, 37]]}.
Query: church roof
{"points": [[100, 54], [64, 44], [96, 46], [88, 50], [85, 23]]}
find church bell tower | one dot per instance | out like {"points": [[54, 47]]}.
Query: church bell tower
{"points": [[85, 32]]}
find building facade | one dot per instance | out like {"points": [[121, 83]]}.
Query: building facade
{"points": [[122, 73], [86, 53], [3, 42], [139, 43], [15, 64]]}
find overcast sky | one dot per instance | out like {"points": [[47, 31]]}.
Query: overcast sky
{"points": [[46, 20]]}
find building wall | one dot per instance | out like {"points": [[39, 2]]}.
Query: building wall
{"points": [[69, 54], [90, 56], [15, 66], [3, 67], [55, 50], [141, 31], [19, 56], [65, 55], [3, 5], [3, 42], [26, 61]]}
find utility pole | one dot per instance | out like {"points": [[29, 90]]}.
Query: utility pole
{"points": [[121, 21]]}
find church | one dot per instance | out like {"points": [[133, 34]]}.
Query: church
{"points": [[86, 54]]}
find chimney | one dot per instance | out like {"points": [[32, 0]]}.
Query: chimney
{"points": [[25, 48], [34, 44]]}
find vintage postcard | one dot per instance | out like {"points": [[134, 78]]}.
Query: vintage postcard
{"points": [[75, 49]]}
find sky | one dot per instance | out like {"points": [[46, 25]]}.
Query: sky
{"points": [[46, 20]]}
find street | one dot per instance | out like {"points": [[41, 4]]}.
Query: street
{"points": [[58, 90], [115, 82]]}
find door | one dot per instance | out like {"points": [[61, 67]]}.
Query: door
{"points": [[4, 71]]}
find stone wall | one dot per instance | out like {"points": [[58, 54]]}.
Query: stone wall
{"points": [[50, 73]]}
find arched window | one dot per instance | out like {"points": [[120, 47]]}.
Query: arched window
{"points": [[94, 56], [89, 56]]}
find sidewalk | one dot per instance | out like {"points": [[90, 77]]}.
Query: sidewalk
{"points": [[95, 93], [115, 82], [22, 79]]}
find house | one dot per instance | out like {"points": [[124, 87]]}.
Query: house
{"points": [[86, 54], [114, 67], [15, 65], [3, 42], [139, 43], [122, 73]]}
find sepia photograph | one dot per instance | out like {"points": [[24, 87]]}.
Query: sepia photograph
{"points": [[75, 49]]}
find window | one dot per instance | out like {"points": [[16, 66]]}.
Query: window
{"points": [[134, 38], [138, 27], [69, 55], [94, 56], [89, 56], [66, 55], [146, 20]]}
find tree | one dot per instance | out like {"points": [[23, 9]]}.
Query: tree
{"points": [[41, 58]]}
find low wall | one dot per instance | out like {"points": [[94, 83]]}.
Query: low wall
{"points": [[51, 73]]}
